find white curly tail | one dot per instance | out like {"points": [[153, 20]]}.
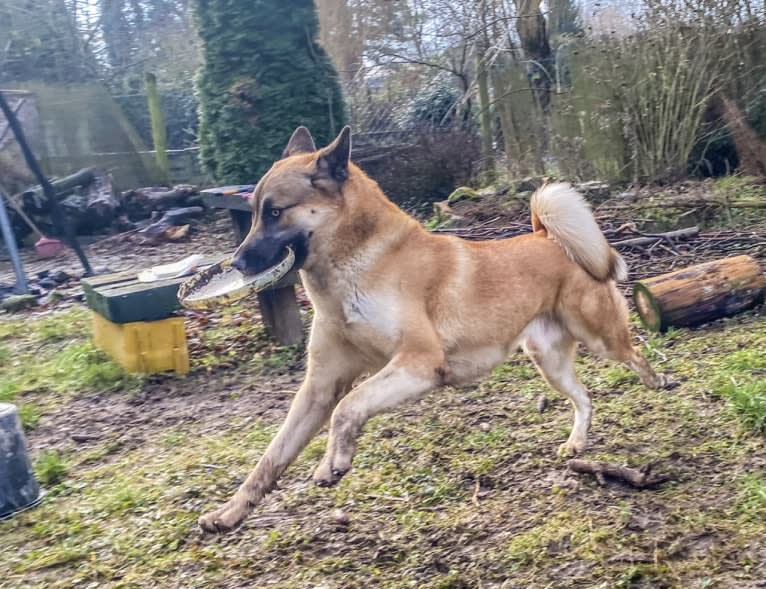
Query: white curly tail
{"points": [[564, 214]]}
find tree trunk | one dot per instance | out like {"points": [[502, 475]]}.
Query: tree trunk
{"points": [[533, 35], [751, 150], [699, 293], [485, 120]]}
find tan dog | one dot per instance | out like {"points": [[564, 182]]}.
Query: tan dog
{"points": [[411, 311]]}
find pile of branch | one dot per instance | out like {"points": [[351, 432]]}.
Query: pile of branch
{"points": [[652, 254], [62, 186], [143, 202], [91, 205], [647, 254], [87, 200]]}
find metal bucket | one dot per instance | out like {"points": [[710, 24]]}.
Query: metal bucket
{"points": [[18, 487]]}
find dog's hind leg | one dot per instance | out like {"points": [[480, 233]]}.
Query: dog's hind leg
{"points": [[331, 370], [600, 321], [405, 378], [630, 355], [614, 343], [552, 349]]}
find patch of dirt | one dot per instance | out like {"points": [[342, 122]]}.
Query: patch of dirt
{"points": [[200, 398]]}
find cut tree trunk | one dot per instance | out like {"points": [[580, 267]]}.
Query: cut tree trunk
{"points": [[699, 293]]}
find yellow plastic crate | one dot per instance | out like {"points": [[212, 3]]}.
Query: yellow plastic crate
{"points": [[144, 346]]}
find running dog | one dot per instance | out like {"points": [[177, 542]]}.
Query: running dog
{"points": [[399, 311]]}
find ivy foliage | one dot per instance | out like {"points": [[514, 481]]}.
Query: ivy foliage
{"points": [[263, 74]]}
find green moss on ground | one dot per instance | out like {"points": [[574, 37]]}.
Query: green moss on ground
{"points": [[463, 489], [51, 357]]}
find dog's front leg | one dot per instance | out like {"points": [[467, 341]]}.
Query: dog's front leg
{"points": [[330, 373], [405, 378]]}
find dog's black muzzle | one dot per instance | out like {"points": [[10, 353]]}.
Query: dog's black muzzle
{"points": [[262, 254]]}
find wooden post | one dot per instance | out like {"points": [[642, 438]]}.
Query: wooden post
{"points": [[241, 220], [699, 293], [279, 306], [159, 135], [279, 309]]}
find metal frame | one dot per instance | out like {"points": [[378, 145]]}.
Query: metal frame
{"points": [[10, 243]]}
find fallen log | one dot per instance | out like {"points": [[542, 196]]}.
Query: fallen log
{"points": [[648, 239], [143, 201], [700, 293], [162, 227], [639, 478], [167, 198], [61, 187], [182, 216]]}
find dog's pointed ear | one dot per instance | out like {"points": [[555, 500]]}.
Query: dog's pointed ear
{"points": [[333, 160], [300, 142]]}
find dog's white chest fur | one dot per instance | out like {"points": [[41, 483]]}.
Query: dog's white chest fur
{"points": [[372, 316]]}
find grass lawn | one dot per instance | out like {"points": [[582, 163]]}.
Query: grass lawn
{"points": [[463, 489]]}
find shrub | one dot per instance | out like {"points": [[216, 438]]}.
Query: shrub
{"points": [[263, 75], [429, 167]]}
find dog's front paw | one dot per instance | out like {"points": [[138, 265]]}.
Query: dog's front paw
{"points": [[662, 381], [224, 519], [326, 475], [667, 382], [572, 448]]}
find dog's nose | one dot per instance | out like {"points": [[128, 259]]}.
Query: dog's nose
{"points": [[239, 263]]}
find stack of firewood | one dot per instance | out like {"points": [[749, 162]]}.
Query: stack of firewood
{"points": [[92, 205]]}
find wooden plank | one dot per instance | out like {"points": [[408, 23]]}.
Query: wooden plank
{"points": [[100, 280], [127, 277], [135, 302], [230, 189]]}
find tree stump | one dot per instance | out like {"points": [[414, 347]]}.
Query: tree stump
{"points": [[699, 293]]}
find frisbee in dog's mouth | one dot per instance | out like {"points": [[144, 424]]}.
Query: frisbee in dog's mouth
{"points": [[221, 283]]}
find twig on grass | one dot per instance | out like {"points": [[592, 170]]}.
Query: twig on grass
{"points": [[639, 478]]}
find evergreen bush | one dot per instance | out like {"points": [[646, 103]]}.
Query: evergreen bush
{"points": [[263, 74]]}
